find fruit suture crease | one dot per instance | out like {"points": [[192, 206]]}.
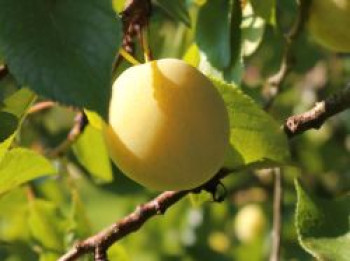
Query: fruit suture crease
{"points": [[168, 125]]}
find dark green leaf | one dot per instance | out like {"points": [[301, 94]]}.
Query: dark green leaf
{"points": [[8, 124], [176, 9], [323, 226], [92, 153], [21, 165], [256, 139], [265, 9], [63, 49], [213, 32]]}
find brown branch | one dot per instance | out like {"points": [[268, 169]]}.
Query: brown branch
{"points": [[277, 215], [273, 84], [134, 18], [80, 123], [41, 106], [131, 223], [316, 116], [3, 71]]}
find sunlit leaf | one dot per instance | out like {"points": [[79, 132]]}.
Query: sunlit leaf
{"points": [[63, 50], [91, 151], [21, 165], [46, 224], [256, 139], [323, 225]]}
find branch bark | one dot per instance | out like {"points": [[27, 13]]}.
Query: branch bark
{"points": [[293, 126]]}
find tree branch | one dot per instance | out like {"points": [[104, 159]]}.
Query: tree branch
{"points": [[131, 223], [316, 116], [273, 85]]}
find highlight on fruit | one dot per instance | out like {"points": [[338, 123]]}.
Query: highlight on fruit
{"points": [[168, 125]]}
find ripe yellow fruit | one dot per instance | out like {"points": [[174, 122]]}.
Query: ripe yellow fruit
{"points": [[168, 125], [250, 223], [329, 22]]}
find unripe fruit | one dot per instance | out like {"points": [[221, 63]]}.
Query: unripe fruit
{"points": [[168, 125], [250, 223], [329, 22]]}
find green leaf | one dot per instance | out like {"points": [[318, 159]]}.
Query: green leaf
{"points": [[323, 226], [21, 165], [265, 9], [213, 32], [91, 151], [176, 9], [118, 252], [8, 123], [49, 256], [46, 224], [118, 5], [253, 28], [63, 50], [256, 139], [232, 72], [80, 224], [19, 102]]}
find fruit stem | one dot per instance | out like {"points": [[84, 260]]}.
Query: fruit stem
{"points": [[145, 44], [131, 59]]}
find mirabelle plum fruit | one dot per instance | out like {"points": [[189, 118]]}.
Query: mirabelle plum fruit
{"points": [[329, 22], [168, 126]]}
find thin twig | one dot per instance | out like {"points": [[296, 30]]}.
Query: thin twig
{"points": [[273, 84], [78, 127], [277, 215], [41, 106], [316, 116]]}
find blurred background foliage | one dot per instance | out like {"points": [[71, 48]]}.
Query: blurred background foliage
{"points": [[40, 220]]}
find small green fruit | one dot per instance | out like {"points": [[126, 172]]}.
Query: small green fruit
{"points": [[168, 125], [329, 22]]}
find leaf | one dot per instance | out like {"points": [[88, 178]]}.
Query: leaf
{"points": [[213, 32], [80, 224], [253, 28], [118, 5], [256, 139], [46, 224], [21, 165], [118, 252], [49, 256], [8, 125], [19, 102], [265, 9], [323, 225], [176, 9], [91, 151], [191, 55], [233, 70], [63, 50]]}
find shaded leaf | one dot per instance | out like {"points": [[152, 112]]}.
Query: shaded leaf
{"points": [[253, 28], [323, 225], [73, 62], [8, 123], [91, 151], [256, 139], [213, 32], [19, 102], [265, 9], [21, 165], [176, 9]]}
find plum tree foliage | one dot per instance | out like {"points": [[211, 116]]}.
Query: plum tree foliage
{"points": [[104, 103]]}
